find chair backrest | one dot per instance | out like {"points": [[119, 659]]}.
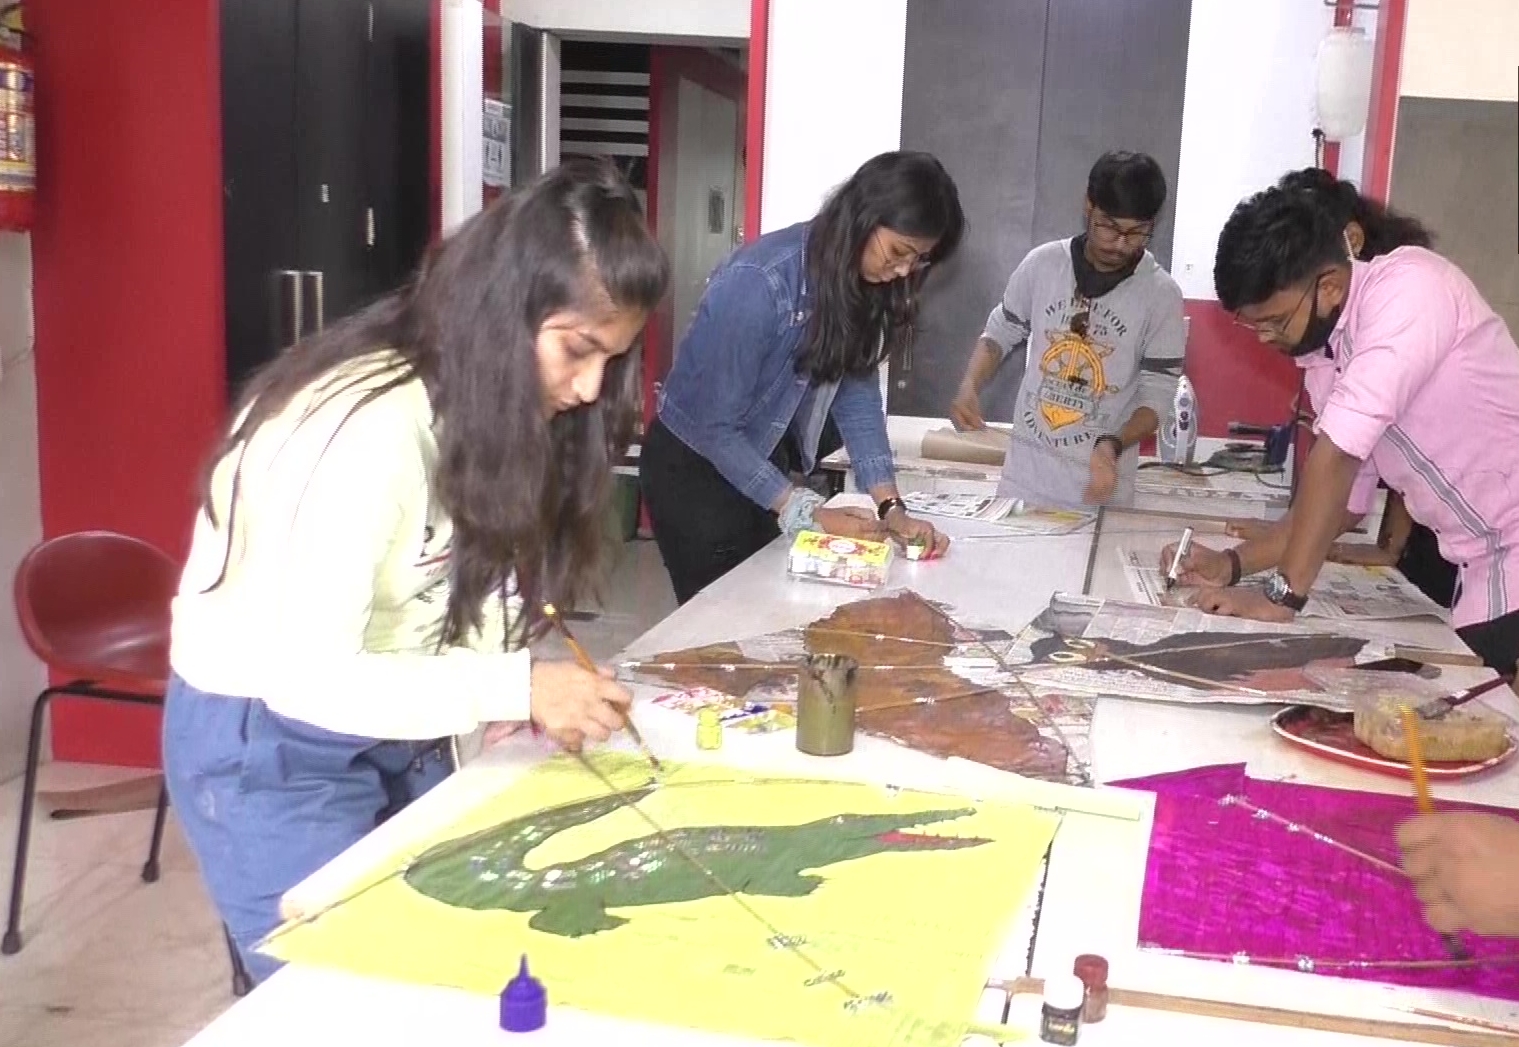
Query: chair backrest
{"points": [[81, 594]]}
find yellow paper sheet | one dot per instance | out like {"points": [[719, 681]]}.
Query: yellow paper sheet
{"points": [[904, 936]]}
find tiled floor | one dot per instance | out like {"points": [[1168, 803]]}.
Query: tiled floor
{"points": [[112, 961]]}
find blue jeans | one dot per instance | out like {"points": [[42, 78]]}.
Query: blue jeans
{"points": [[266, 801]]}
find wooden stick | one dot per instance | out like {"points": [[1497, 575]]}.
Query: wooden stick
{"points": [[1408, 1032], [935, 700], [1428, 657], [1215, 685], [820, 631], [1464, 1019]]}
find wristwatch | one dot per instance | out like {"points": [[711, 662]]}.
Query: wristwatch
{"points": [[1279, 591], [887, 505]]}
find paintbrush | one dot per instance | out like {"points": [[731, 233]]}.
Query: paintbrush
{"points": [[1437, 708], [1426, 804], [552, 614]]}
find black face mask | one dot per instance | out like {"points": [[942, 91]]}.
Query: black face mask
{"points": [[1318, 329], [1089, 282]]}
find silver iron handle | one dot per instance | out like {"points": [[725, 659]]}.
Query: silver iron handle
{"points": [[290, 320], [318, 289]]}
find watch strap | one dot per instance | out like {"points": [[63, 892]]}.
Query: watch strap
{"points": [[1115, 441], [888, 505], [1236, 569]]}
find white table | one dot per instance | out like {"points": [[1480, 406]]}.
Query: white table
{"points": [[1091, 901]]}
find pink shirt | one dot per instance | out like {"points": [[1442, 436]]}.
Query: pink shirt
{"points": [[1422, 384]]}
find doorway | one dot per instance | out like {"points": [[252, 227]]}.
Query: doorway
{"points": [[698, 109], [673, 117]]}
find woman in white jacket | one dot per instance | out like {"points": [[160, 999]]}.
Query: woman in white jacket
{"points": [[395, 503]]}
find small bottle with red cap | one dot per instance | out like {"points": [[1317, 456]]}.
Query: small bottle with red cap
{"points": [[1093, 972]]}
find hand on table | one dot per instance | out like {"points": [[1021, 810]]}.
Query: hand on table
{"points": [[574, 706], [1465, 869], [1241, 603], [965, 410], [1201, 567], [1245, 530], [1104, 474], [911, 531], [1361, 555], [849, 523]]}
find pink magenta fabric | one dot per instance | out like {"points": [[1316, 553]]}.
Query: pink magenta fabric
{"points": [[1221, 880]]}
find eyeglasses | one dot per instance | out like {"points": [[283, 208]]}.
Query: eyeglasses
{"points": [[1276, 326], [895, 253], [1135, 236]]}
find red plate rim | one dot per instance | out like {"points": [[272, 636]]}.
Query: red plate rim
{"points": [[1381, 764]]}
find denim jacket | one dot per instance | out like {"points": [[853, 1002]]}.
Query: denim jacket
{"points": [[734, 389]]}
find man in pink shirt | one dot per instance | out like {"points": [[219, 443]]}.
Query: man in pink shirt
{"points": [[1415, 381]]}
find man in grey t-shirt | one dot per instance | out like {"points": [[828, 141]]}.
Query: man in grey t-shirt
{"points": [[1097, 325]]}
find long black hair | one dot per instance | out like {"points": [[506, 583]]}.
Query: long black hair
{"points": [[1385, 229], [524, 492], [855, 324]]}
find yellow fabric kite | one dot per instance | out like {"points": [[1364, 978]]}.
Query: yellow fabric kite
{"points": [[864, 915]]}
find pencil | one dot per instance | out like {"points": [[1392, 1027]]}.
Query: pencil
{"points": [[1426, 804], [552, 614]]}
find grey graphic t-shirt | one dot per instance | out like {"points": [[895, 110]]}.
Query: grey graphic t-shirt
{"points": [[1088, 365]]}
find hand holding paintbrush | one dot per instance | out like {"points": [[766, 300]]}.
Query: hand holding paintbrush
{"points": [[552, 614], [1453, 944]]}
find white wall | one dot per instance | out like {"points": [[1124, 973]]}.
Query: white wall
{"points": [[1461, 49], [1247, 118], [711, 20], [462, 98], [21, 676], [833, 98]]}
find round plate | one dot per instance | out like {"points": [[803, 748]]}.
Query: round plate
{"points": [[1332, 736]]}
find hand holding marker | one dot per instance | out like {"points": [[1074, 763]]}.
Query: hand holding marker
{"points": [[1182, 548]]}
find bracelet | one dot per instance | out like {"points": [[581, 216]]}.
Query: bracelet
{"points": [[796, 515], [1236, 569], [888, 505], [1115, 441]]}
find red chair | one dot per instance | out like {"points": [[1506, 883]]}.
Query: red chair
{"points": [[94, 606]]}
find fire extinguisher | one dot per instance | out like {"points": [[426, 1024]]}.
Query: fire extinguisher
{"points": [[18, 131]]}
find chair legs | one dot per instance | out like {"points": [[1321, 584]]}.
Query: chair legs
{"points": [[160, 817], [11, 943], [242, 981]]}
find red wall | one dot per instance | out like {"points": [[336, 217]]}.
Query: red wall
{"points": [[1236, 378], [127, 256]]}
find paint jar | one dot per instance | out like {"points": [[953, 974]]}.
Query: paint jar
{"points": [[709, 729], [1060, 1020], [825, 704], [1093, 972]]}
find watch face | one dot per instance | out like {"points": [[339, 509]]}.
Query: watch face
{"points": [[1276, 587], [1279, 592]]}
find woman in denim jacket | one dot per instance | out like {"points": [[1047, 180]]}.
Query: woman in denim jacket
{"points": [[790, 333]]}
